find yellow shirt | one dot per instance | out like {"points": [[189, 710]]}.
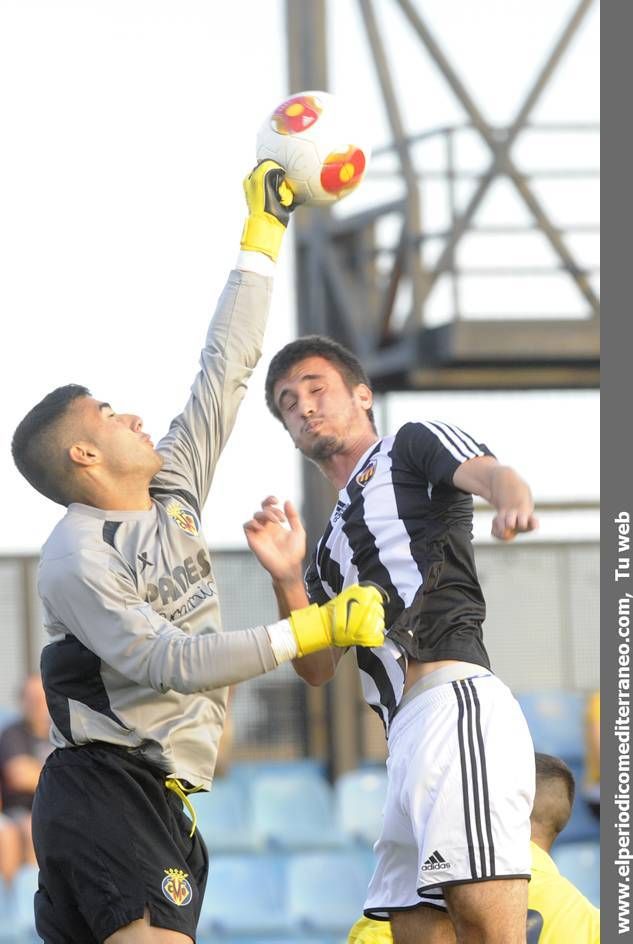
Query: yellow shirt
{"points": [[368, 931], [557, 912]]}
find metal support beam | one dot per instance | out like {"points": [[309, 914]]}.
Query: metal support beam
{"points": [[307, 44], [502, 162], [412, 263], [350, 284]]}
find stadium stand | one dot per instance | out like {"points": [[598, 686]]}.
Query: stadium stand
{"points": [[360, 796], [291, 854], [326, 890], [583, 825], [24, 888], [246, 772], [556, 722], [580, 863], [223, 817], [294, 812], [244, 896]]}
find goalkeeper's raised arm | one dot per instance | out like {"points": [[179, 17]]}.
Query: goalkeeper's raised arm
{"points": [[196, 437]]}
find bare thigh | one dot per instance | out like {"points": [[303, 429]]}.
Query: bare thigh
{"points": [[141, 932], [422, 926], [479, 913], [489, 912]]}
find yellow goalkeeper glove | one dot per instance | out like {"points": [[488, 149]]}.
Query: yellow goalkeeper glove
{"points": [[354, 618], [270, 203]]}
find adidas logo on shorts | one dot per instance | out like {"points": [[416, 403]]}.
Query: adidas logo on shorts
{"points": [[435, 862]]}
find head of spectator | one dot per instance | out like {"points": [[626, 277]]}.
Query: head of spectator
{"points": [[553, 800], [34, 707]]}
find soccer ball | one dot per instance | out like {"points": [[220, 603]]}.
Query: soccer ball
{"points": [[317, 140]]}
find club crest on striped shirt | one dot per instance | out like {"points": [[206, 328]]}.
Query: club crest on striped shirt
{"points": [[184, 517], [367, 472]]}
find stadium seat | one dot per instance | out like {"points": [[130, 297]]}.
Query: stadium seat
{"points": [[580, 863], [556, 722], [244, 896], [8, 715], [360, 797], [326, 890], [294, 812], [248, 772], [582, 825], [24, 888], [224, 817], [10, 930], [9, 936]]}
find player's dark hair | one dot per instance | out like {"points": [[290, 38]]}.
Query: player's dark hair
{"points": [[34, 442], [315, 345], [550, 772]]}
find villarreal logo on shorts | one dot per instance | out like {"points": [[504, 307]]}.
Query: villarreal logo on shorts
{"points": [[184, 517], [176, 888]]}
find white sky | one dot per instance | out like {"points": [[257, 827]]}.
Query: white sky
{"points": [[127, 127]]}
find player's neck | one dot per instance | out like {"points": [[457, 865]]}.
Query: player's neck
{"points": [[122, 495], [543, 838], [338, 468]]}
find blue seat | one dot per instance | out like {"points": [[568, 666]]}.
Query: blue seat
{"points": [[556, 722], [294, 812], [327, 890], [24, 888], [17, 924], [8, 715], [582, 825], [244, 896], [580, 863], [224, 817], [248, 772], [360, 798]]}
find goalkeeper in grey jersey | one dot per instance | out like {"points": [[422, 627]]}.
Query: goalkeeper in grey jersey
{"points": [[135, 666]]}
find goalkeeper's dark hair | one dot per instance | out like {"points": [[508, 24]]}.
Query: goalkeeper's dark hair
{"points": [[315, 345], [37, 451], [551, 810]]}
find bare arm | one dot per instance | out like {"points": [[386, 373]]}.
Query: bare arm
{"points": [[281, 550], [504, 489]]}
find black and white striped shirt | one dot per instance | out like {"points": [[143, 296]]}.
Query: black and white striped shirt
{"points": [[401, 523]]}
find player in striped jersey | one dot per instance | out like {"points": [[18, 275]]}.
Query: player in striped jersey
{"points": [[461, 762]]}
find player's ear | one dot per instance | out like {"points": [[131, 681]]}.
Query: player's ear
{"points": [[83, 453], [365, 395]]}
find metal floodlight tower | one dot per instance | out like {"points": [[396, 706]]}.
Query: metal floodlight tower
{"points": [[343, 292]]}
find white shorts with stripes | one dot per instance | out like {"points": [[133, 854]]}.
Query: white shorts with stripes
{"points": [[459, 796]]}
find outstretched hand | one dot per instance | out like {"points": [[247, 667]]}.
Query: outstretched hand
{"points": [[270, 202], [277, 539]]}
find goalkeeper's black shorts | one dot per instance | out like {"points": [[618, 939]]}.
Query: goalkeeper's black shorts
{"points": [[112, 842]]}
